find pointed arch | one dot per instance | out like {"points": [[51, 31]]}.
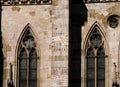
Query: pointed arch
{"points": [[26, 29], [27, 59], [95, 67], [96, 27]]}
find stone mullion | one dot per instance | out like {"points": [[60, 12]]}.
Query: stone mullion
{"points": [[18, 74], [95, 52], [28, 71], [95, 71]]}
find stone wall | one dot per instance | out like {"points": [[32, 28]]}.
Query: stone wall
{"points": [[50, 27], [100, 13], [59, 45]]}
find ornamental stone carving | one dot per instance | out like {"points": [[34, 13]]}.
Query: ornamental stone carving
{"points": [[25, 2]]}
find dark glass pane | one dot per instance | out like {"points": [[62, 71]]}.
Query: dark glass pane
{"points": [[23, 54], [23, 63], [90, 73], [33, 63], [33, 83], [23, 68], [90, 62], [23, 83], [100, 67], [33, 53], [33, 74], [33, 59], [23, 59], [90, 68], [90, 52], [100, 52], [101, 62], [33, 68], [91, 83], [101, 83], [101, 59], [101, 73], [23, 74]]}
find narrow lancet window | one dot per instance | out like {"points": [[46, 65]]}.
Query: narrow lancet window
{"points": [[95, 59], [27, 61]]}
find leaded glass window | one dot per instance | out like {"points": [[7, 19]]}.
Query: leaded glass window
{"points": [[95, 59], [27, 61], [90, 67], [100, 67]]}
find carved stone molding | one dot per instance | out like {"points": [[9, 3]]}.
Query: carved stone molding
{"points": [[25, 2], [100, 1]]}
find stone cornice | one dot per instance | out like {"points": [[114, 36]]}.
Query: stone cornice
{"points": [[25, 2], [100, 1]]}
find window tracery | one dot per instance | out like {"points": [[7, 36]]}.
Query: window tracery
{"points": [[27, 61], [95, 60]]}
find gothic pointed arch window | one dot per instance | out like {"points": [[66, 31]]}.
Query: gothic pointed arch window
{"points": [[27, 60], [95, 59]]}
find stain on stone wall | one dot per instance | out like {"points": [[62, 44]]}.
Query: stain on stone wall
{"points": [[55, 3], [32, 13], [6, 74], [9, 48], [16, 9]]}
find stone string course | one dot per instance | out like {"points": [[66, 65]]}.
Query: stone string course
{"points": [[25, 2]]}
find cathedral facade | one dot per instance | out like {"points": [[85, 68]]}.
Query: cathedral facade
{"points": [[36, 42]]}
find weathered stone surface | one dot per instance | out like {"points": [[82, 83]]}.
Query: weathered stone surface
{"points": [[98, 13], [49, 25], [25, 2]]}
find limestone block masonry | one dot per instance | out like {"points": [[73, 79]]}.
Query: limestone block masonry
{"points": [[99, 14], [49, 24]]}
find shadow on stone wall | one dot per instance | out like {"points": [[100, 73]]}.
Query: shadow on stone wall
{"points": [[1, 53], [77, 18]]}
